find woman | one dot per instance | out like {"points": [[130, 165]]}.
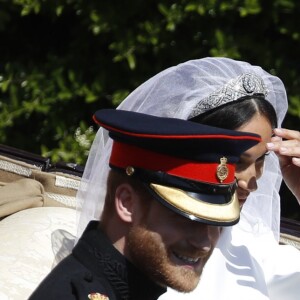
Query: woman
{"points": [[239, 267]]}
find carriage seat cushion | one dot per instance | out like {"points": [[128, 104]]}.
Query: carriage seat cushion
{"points": [[32, 242]]}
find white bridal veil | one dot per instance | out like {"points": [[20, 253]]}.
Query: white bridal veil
{"points": [[175, 92]]}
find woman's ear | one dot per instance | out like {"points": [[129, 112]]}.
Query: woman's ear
{"points": [[124, 202]]}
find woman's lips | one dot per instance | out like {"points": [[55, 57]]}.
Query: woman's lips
{"points": [[242, 201], [242, 198]]}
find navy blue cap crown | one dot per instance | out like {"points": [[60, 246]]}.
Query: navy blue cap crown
{"points": [[174, 136]]}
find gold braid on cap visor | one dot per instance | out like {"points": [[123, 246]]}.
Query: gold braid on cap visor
{"points": [[179, 199]]}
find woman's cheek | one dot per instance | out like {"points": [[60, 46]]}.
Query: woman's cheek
{"points": [[259, 169]]}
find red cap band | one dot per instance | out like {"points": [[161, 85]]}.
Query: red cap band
{"points": [[124, 155]]}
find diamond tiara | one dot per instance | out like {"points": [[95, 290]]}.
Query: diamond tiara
{"points": [[247, 84]]}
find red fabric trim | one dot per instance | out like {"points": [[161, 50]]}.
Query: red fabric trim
{"points": [[124, 155], [201, 136]]}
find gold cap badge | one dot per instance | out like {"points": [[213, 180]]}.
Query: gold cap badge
{"points": [[97, 296], [222, 169], [129, 170]]}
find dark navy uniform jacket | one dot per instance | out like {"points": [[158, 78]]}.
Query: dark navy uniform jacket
{"points": [[95, 266]]}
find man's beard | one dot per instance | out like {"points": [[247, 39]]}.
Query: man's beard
{"points": [[150, 255]]}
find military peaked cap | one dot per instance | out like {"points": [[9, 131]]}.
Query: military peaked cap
{"points": [[188, 167]]}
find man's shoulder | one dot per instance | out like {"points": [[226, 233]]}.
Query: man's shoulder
{"points": [[71, 280]]}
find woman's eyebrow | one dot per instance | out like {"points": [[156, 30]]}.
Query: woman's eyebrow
{"points": [[245, 155]]}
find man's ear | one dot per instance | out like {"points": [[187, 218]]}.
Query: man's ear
{"points": [[125, 198]]}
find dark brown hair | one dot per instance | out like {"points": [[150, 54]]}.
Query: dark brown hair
{"points": [[237, 113]]}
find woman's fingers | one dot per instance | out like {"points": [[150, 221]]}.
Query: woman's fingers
{"points": [[287, 133], [286, 142]]}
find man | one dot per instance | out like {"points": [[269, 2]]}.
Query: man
{"points": [[170, 189]]}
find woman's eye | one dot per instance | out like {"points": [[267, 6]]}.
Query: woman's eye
{"points": [[244, 163], [241, 165], [262, 158]]}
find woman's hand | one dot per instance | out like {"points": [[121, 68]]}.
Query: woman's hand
{"points": [[286, 144]]}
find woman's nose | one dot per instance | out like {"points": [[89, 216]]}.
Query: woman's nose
{"points": [[249, 185], [247, 180]]}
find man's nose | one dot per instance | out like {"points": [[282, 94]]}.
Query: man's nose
{"points": [[203, 236]]}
